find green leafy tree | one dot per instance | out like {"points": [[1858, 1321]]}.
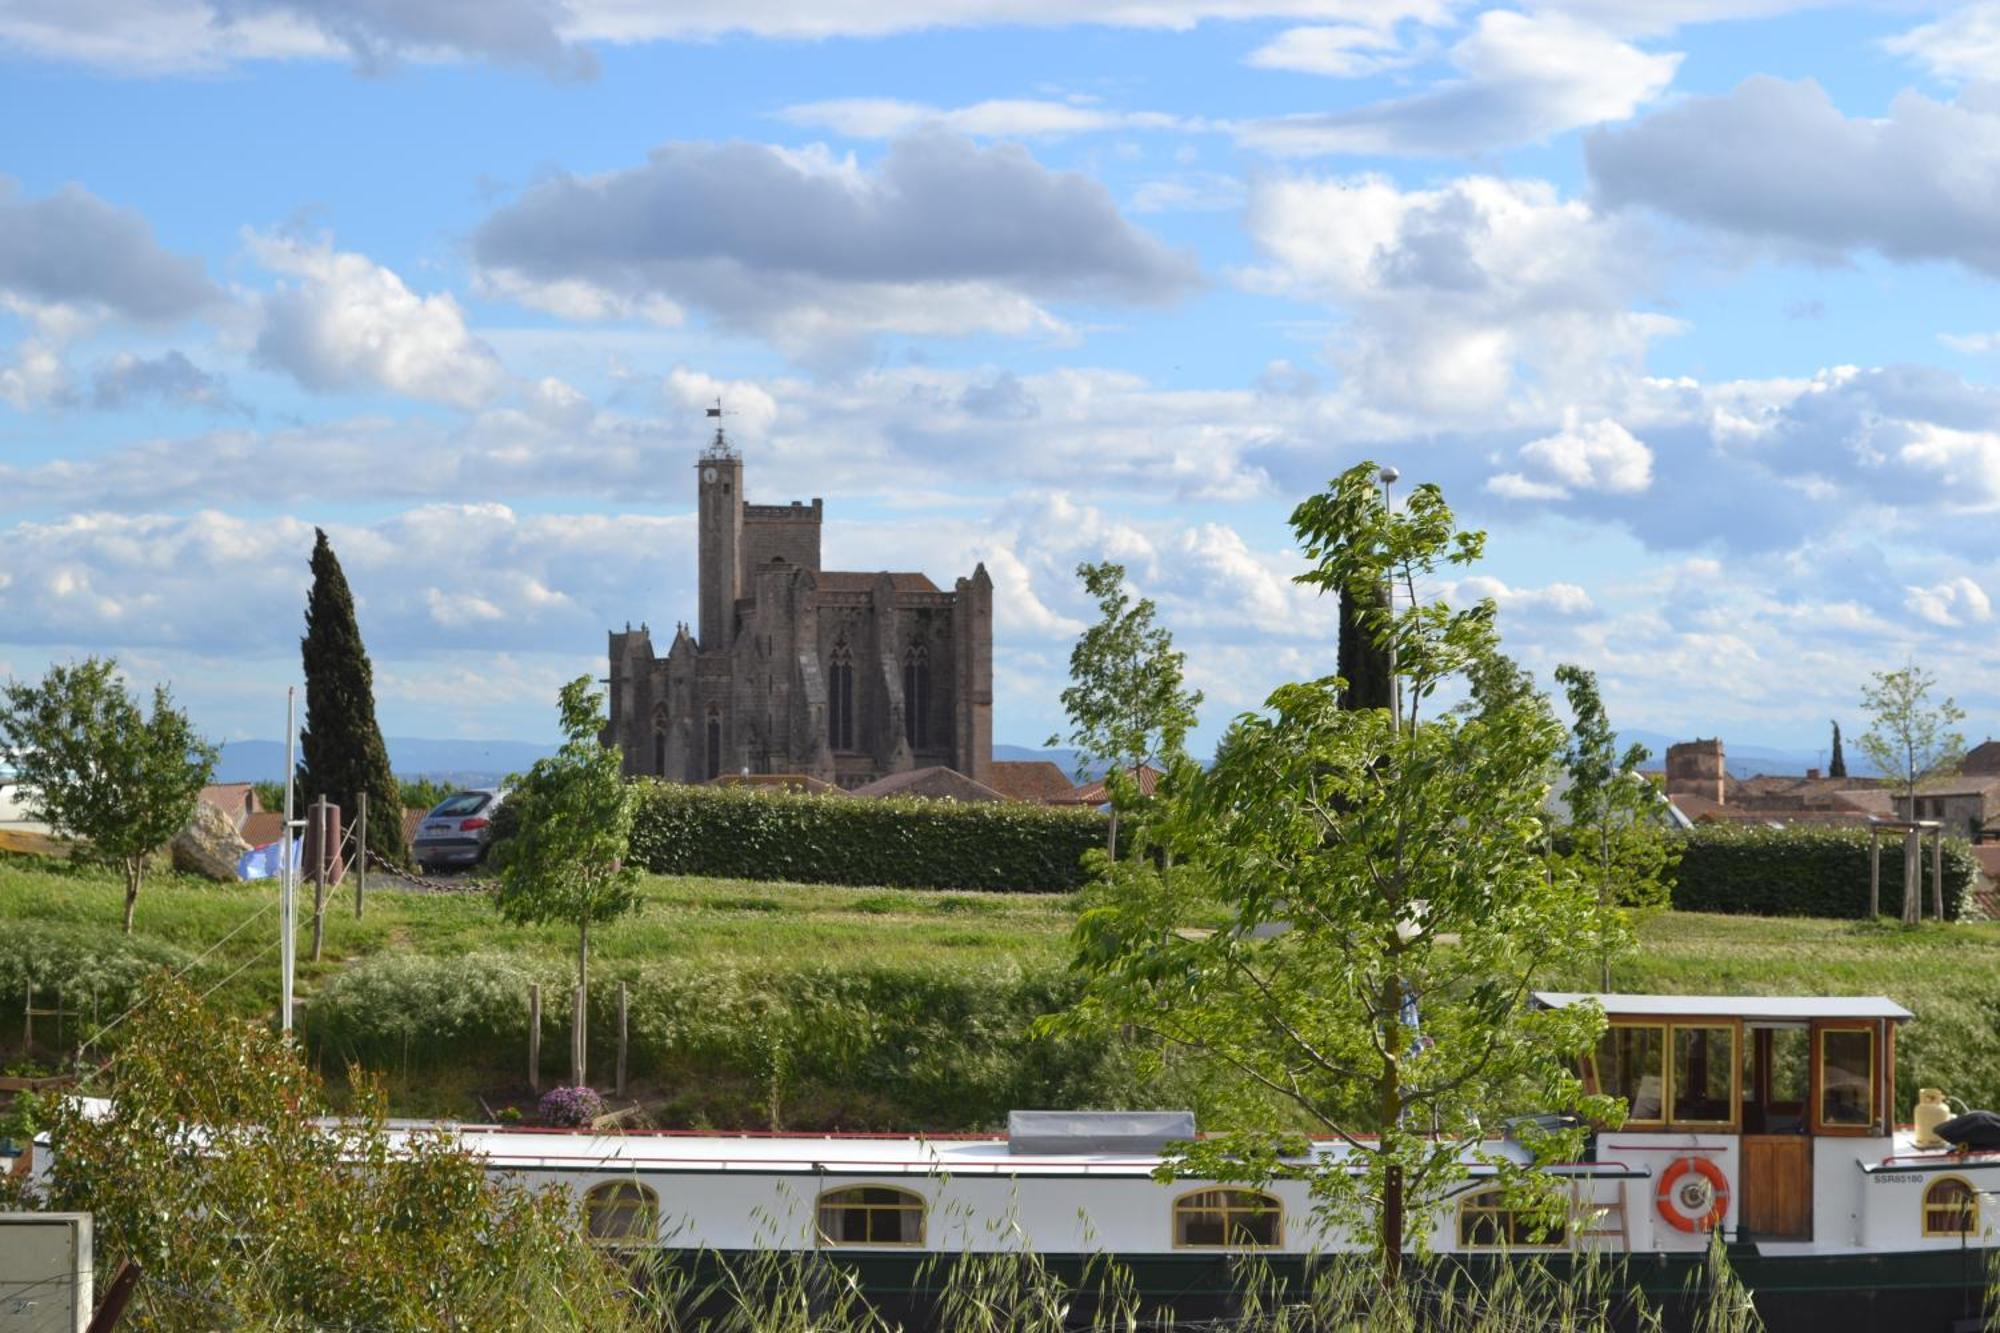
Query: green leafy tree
{"points": [[1127, 701], [341, 751], [1616, 840], [566, 857], [1910, 738], [271, 1217], [93, 766], [1361, 662], [1836, 767], [1356, 908]]}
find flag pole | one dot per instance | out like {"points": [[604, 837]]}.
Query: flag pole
{"points": [[288, 943]]}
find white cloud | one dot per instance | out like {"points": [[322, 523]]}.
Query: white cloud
{"points": [[1021, 118], [1778, 161], [36, 378], [1559, 598], [1962, 46], [1583, 456], [812, 251], [1973, 344], [1190, 192], [70, 251], [1954, 602], [1523, 78], [348, 323], [1343, 51], [1459, 297]]}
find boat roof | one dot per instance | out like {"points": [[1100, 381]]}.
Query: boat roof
{"points": [[1787, 1008]]}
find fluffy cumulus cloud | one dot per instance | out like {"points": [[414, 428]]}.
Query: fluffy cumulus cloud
{"points": [[345, 323], [1583, 456], [1954, 602], [944, 237], [1522, 78], [1460, 296], [1962, 45], [1777, 160], [73, 250]]}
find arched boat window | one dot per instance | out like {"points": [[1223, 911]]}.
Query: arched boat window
{"points": [[1951, 1208], [1486, 1221], [871, 1215], [621, 1211], [1228, 1219]]}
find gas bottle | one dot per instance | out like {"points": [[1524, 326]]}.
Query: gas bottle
{"points": [[1929, 1114]]}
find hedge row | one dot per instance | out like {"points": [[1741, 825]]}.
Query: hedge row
{"points": [[1805, 872], [745, 833]]}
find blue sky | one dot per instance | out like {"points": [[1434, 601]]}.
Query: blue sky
{"points": [[1688, 302]]}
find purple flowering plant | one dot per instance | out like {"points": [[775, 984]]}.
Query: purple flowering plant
{"points": [[570, 1107]]}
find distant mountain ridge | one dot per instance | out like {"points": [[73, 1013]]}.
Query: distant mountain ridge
{"points": [[1749, 761], [456, 762]]}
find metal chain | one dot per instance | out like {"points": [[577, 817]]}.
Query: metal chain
{"points": [[429, 883]]}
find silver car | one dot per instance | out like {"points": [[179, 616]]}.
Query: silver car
{"points": [[457, 832]]}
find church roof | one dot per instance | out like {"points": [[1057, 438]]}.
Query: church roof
{"points": [[859, 580], [938, 784], [1029, 780]]}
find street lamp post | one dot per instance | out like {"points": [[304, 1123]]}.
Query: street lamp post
{"points": [[1388, 476]]}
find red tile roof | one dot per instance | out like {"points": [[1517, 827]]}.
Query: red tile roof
{"points": [[942, 784], [1095, 793], [1030, 780], [860, 580]]}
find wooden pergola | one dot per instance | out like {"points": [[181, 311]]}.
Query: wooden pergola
{"points": [[1913, 831]]}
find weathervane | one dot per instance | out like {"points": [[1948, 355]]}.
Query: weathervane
{"points": [[719, 447]]}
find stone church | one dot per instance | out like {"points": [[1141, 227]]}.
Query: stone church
{"points": [[841, 675]]}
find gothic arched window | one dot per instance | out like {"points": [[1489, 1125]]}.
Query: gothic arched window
{"points": [[917, 697], [659, 752], [840, 699], [714, 746]]}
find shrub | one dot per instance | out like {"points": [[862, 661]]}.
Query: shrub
{"points": [[1805, 872], [402, 1009], [569, 1108], [98, 977], [748, 833]]}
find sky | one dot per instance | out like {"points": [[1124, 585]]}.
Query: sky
{"points": [[1688, 303]]}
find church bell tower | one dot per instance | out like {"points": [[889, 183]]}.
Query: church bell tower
{"points": [[720, 538]]}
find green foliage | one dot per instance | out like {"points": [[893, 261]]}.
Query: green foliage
{"points": [[1616, 843], [1386, 906], [341, 753], [93, 766], [749, 833], [422, 793], [1803, 871], [1361, 663], [263, 1220], [567, 855], [1127, 701], [1909, 738], [270, 795], [398, 1010], [1836, 767]]}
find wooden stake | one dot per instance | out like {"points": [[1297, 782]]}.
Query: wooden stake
{"points": [[621, 1039], [1937, 872], [535, 1037], [319, 875], [1874, 873], [112, 1310], [361, 856]]}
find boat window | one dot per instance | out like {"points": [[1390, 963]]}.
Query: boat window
{"points": [[1221, 1218], [1846, 1076], [621, 1210], [1704, 1075], [871, 1215], [1632, 1063], [1951, 1208], [1486, 1221]]}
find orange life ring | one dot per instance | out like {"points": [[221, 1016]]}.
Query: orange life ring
{"points": [[1693, 1194]]}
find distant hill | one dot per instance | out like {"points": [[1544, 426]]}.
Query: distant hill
{"points": [[453, 762]]}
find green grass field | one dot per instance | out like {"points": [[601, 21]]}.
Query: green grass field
{"points": [[853, 1006]]}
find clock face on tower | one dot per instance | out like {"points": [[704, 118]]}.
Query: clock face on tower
{"points": [[708, 474]]}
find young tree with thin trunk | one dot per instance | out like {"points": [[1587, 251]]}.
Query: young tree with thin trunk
{"points": [[341, 753], [1375, 906], [565, 860], [1909, 738], [1127, 702], [1616, 841], [92, 766]]}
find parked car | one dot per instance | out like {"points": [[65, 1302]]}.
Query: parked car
{"points": [[458, 830]]}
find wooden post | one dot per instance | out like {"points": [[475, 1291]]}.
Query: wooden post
{"points": [[111, 1311], [621, 1039], [1913, 865], [1937, 871], [1874, 872], [361, 855], [535, 1037], [576, 1064], [320, 853]]}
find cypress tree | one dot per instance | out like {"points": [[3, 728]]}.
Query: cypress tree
{"points": [[341, 749], [1361, 661], [1837, 766]]}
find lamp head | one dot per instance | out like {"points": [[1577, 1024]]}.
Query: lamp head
{"points": [[1389, 476]]}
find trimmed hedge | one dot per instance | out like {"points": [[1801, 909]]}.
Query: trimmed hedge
{"points": [[1805, 872], [747, 833]]}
